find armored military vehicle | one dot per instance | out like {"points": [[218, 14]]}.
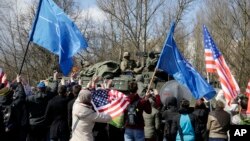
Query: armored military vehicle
{"points": [[164, 83], [111, 70]]}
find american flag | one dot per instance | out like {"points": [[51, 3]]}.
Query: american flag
{"points": [[227, 81], [248, 95], [209, 60], [112, 102], [248, 89]]}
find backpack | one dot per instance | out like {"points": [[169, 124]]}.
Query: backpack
{"points": [[132, 113]]}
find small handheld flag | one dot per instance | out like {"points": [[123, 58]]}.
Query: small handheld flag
{"points": [[111, 102]]}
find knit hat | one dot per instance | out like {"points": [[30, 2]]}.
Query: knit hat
{"points": [[41, 85], [6, 95], [5, 91]]}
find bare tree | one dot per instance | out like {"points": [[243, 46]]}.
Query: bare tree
{"points": [[140, 25], [130, 25], [15, 26], [228, 22]]}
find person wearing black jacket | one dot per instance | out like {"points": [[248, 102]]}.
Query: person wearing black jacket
{"points": [[37, 104], [170, 111], [13, 112], [6, 97], [56, 116], [201, 111]]}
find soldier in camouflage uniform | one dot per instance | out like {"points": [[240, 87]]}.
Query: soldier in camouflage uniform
{"points": [[128, 65]]}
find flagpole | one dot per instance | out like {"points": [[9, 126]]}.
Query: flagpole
{"points": [[27, 47], [210, 104], [151, 81], [208, 80], [31, 35]]}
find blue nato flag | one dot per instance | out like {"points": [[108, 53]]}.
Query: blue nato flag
{"points": [[172, 62], [53, 30]]}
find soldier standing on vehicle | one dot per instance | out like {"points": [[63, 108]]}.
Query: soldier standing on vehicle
{"points": [[151, 61], [127, 65]]}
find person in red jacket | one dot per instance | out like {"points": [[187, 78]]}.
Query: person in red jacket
{"points": [[134, 122]]}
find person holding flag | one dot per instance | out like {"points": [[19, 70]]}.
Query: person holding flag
{"points": [[134, 121], [84, 117]]}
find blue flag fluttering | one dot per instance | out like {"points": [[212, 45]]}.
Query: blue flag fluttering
{"points": [[175, 64], [53, 30]]}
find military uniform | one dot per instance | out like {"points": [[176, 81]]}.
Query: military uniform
{"points": [[151, 62], [127, 64]]}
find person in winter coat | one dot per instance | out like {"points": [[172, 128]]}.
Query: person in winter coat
{"points": [[152, 121], [184, 126], [170, 111], [13, 112], [37, 104], [201, 111], [84, 117], [218, 123], [242, 118], [134, 122], [56, 116]]}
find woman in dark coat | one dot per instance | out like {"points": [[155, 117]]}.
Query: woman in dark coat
{"points": [[170, 111], [56, 116], [201, 112]]}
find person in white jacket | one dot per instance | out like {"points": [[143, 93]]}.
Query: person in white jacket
{"points": [[84, 117]]}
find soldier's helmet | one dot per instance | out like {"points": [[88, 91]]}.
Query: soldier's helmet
{"points": [[126, 54], [157, 49], [151, 54], [86, 64]]}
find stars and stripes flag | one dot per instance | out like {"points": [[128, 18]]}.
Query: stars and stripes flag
{"points": [[248, 95], [112, 102], [248, 88], [227, 81], [209, 60]]}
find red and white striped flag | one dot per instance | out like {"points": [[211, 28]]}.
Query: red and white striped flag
{"points": [[112, 102], [227, 81], [209, 60], [248, 95], [248, 88]]}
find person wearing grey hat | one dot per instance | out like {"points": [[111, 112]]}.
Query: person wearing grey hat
{"points": [[84, 117]]}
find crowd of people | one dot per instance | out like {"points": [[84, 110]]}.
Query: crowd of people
{"points": [[60, 111]]}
